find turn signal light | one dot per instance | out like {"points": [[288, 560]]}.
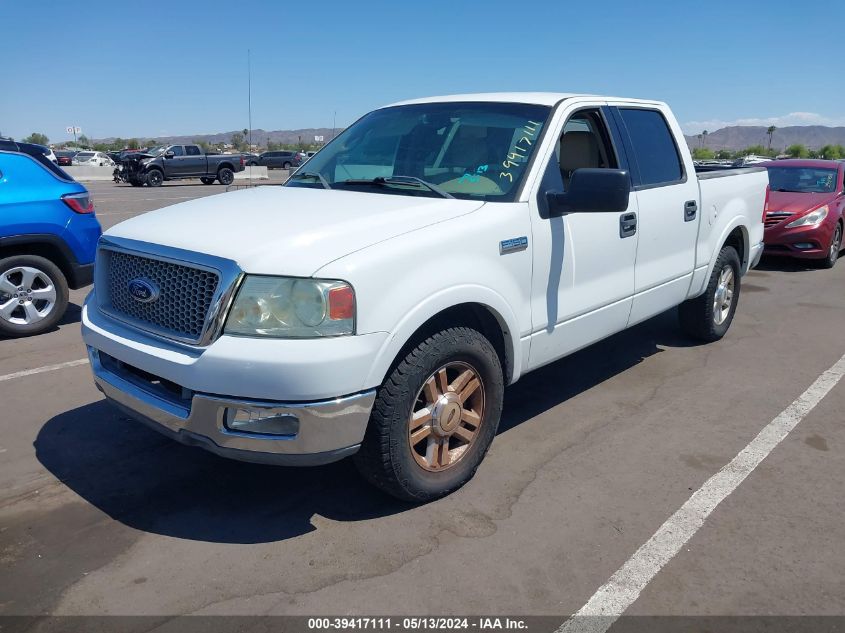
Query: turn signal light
{"points": [[341, 303]]}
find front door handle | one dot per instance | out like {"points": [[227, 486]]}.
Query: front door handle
{"points": [[690, 209], [627, 224]]}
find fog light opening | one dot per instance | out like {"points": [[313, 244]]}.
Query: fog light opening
{"points": [[804, 246], [262, 422]]}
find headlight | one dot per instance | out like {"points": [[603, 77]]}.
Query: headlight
{"points": [[287, 307], [811, 219]]}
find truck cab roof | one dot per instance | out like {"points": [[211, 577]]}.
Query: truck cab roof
{"points": [[537, 98]]}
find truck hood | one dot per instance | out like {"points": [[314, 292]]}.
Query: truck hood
{"points": [[797, 203], [288, 230]]}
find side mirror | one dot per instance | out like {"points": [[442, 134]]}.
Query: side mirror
{"points": [[592, 191], [169, 154]]}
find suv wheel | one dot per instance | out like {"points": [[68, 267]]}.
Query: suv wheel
{"points": [[286, 165], [226, 176], [33, 295], [434, 417]]}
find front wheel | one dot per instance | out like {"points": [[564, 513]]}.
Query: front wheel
{"points": [[33, 295], [226, 176], [709, 316], [835, 247], [155, 178], [434, 417]]}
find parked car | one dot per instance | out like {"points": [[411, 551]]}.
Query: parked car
{"points": [[175, 162], [250, 160], [48, 239], [436, 251], [280, 160], [805, 210], [64, 158], [92, 159]]}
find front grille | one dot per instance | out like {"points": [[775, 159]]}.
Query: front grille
{"points": [[185, 295], [775, 217]]}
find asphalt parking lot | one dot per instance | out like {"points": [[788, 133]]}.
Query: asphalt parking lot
{"points": [[101, 516]]}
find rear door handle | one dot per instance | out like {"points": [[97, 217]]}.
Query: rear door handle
{"points": [[627, 224], [690, 209]]}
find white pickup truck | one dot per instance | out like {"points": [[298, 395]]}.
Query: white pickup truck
{"points": [[434, 252]]}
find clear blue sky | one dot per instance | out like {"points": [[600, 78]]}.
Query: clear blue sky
{"points": [[144, 68]]}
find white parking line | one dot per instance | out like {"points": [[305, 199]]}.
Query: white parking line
{"points": [[41, 370], [624, 587]]}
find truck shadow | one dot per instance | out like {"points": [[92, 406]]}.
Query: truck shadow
{"points": [[149, 483]]}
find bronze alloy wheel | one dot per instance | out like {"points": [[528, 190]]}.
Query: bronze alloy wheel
{"points": [[446, 417]]}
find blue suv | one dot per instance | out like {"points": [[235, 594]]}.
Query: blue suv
{"points": [[48, 239]]}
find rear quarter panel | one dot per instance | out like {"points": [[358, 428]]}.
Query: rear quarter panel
{"points": [[30, 203], [727, 202]]}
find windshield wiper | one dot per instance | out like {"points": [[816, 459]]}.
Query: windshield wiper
{"points": [[399, 180], [312, 174]]}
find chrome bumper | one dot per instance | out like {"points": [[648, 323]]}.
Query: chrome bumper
{"points": [[326, 431]]}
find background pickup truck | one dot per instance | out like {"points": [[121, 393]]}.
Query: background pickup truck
{"points": [[434, 252], [174, 162]]}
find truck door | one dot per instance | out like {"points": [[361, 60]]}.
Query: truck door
{"points": [[174, 166], [668, 199], [195, 161], [583, 277]]}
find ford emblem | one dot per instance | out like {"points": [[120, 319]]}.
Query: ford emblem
{"points": [[143, 290]]}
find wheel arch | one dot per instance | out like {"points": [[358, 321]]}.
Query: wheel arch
{"points": [[47, 246], [492, 318]]}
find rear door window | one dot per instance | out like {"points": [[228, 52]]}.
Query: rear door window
{"points": [[657, 158], [192, 150]]}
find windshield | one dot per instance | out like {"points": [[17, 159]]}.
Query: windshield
{"points": [[469, 150], [802, 179], [85, 155], [158, 149]]}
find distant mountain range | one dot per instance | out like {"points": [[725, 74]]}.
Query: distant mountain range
{"points": [[742, 136], [259, 136], [730, 138]]}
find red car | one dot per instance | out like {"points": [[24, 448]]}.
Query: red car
{"points": [[64, 158], [805, 209]]}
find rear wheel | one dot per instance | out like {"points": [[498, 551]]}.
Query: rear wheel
{"points": [[155, 178], [226, 176], [207, 181], [286, 165], [709, 316], [434, 417], [33, 295], [835, 247]]}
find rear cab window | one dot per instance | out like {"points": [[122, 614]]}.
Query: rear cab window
{"points": [[655, 158]]}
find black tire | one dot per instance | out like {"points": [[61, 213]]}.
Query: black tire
{"points": [[55, 277], [226, 176], [136, 183], [386, 459], [155, 178], [252, 163], [286, 165], [698, 316], [835, 247], [207, 181]]}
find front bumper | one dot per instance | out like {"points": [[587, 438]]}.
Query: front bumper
{"points": [[326, 431], [794, 242]]}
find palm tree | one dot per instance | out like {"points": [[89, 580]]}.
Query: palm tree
{"points": [[770, 131], [699, 137], [704, 134]]}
